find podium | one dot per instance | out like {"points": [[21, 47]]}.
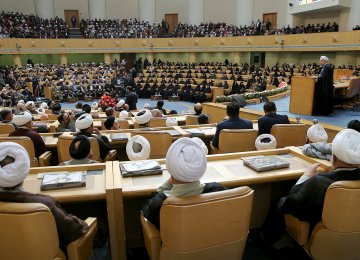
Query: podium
{"points": [[47, 92], [302, 95]]}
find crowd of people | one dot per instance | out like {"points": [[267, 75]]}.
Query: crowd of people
{"points": [[18, 25]]}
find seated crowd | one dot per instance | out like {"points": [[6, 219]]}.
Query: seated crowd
{"points": [[18, 25]]}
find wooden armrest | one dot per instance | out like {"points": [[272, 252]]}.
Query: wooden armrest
{"points": [[82, 247], [44, 159], [298, 230], [111, 156], [213, 149], [151, 238]]}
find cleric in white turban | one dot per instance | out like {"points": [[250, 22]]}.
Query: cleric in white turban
{"points": [[306, 199], [14, 168], [124, 114], [120, 104], [138, 148], [84, 122], [15, 164], [186, 163], [265, 142], [316, 133], [171, 121], [143, 117]]}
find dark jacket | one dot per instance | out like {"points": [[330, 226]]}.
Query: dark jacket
{"points": [[231, 123], [151, 208], [131, 100], [305, 201], [266, 122], [39, 144]]}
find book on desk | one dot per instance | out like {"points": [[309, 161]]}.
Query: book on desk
{"points": [[140, 168], [63, 180], [265, 163]]}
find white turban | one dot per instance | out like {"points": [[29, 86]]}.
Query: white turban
{"points": [[44, 105], [22, 118], [94, 105], [316, 133], [201, 142], [324, 58], [30, 103], [147, 106], [171, 121], [40, 111], [346, 146], [21, 101], [260, 143], [144, 118], [120, 103], [186, 160], [84, 122], [16, 172], [123, 114], [138, 148]]}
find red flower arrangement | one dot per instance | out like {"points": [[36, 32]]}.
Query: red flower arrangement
{"points": [[106, 100]]}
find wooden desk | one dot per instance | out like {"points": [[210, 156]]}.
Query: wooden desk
{"points": [[227, 169], [98, 187], [50, 140]]}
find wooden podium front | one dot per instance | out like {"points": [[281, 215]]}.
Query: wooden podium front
{"points": [[47, 92], [302, 95]]}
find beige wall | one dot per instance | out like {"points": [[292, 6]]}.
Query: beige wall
{"points": [[271, 6], [120, 9], [320, 18], [81, 5], [220, 11], [171, 7], [20, 6]]}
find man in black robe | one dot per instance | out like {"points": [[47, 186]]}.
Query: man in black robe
{"points": [[324, 89]]}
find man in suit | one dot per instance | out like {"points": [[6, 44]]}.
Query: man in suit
{"points": [[270, 118], [73, 21], [233, 122], [131, 98]]}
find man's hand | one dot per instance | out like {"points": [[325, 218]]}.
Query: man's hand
{"points": [[311, 170], [96, 131]]}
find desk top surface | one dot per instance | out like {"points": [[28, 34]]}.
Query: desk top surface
{"points": [[227, 169]]}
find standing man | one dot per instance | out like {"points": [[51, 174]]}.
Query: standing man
{"points": [[324, 89], [270, 118], [73, 21], [131, 98]]}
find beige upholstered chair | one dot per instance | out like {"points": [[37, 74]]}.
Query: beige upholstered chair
{"points": [[160, 142], [235, 140], [27, 143], [337, 236], [52, 117], [206, 226], [157, 122], [28, 231], [289, 134], [6, 128], [191, 120], [64, 142]]}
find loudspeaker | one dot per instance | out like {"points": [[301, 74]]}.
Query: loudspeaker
{"points": [[241, 100]]}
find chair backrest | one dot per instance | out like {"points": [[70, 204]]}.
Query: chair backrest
{"points": [[63, 145], [52, 117], [289, 134], [237, 140], [353, 89], [6, 128], [191, 120], [206, 226], [157, 122], [123, 124], [25, 142], [338, 235], [159, 142], [28, 231]]}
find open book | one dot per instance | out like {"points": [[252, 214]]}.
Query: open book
{"points": [[195, 132], [119, 137], [62, 180], [265, 163], [140, 168]]}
